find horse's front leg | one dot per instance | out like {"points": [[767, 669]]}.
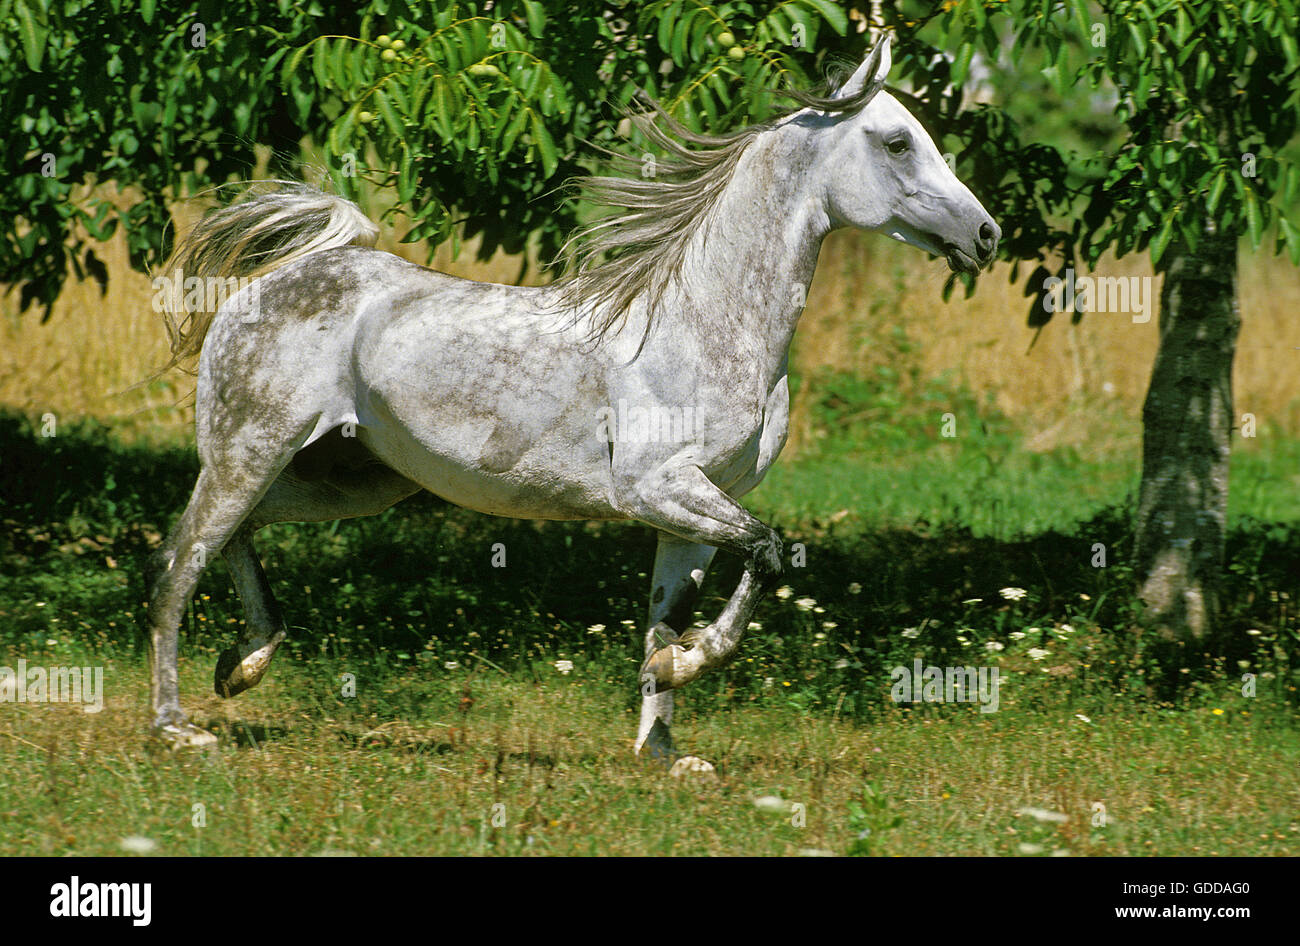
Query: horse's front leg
{"points": [[679, 499], [678, 662], [678, 574]]}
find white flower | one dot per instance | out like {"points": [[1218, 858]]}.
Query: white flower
{"points": [[1080, 716], [1254, 632], [829, 625], [911, 632], [595, 629], [1066, 628], [1013, 594], [769, 682], [972, 601], [855, 588], [452, 665], [784, 592], [842, 663], [820, 635], [993, 646], [564, 666], [1017, 635], [805, 604], [1043, 814], [1037, 653], [755, 626]]}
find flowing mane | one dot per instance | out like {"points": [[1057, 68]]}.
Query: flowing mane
{"points": [[637, 248]]}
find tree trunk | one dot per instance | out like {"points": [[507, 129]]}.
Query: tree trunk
{"points": [[1187, 426]]}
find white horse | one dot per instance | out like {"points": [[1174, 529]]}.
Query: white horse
{"points": [[343, 379]]}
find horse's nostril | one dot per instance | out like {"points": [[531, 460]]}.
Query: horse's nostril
{"points": [[988, 239]]}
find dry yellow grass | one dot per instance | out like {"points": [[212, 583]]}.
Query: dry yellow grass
{"points": [[86, 359], [1072, 371]]}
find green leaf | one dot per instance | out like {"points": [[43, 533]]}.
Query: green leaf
{"points": [[545, 146], [1289, 48], [832, 13], [536, 15], [1288, 233], [667, 20], [341, 131], [1216, 192], [962, 64], [1139, 42], [319, 66], [339, 64], [442, 109], [514, 129], [33, 34], [385, 108], [1254, 219], [1160, 241]]}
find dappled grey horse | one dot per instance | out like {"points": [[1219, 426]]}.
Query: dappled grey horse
{"points": [[646, 384]]}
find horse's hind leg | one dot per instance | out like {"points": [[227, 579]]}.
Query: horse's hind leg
{"points": [[242, 665], [331, 479], [229, 486]]}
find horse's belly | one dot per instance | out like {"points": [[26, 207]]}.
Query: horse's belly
{"points": [[520, 487]]}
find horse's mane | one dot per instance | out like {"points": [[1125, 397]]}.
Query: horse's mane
{"points": [[638, 247]]}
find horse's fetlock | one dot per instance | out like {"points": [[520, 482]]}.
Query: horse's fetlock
{"points": [[765, 558]]}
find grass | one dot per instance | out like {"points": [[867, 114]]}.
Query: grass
{"points": [[419, 767], [459, 705]]}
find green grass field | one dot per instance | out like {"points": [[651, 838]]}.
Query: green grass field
{"points": [[463, 737]]}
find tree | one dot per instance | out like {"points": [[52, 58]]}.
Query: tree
{"points": [[476, 112], [161, 99], [1209, 94]]}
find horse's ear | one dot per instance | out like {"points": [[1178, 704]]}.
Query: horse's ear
{"points": [[870, 76]]}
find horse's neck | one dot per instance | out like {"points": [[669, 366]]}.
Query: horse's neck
{"points": [[747, 271]]}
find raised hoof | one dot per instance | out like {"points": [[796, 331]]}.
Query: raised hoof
{"points": [[694, 767], [184, 736], [672, 667], [240, 669]]}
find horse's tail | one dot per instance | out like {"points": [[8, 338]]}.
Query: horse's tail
{"points": [[247, 239]]}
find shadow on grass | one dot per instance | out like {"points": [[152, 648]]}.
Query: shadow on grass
{"points": [[426, 582]]}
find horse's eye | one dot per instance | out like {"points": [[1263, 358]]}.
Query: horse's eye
{"points": [[897, 146]]}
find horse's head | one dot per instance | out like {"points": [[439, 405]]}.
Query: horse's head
{"points": [[883, 172]]}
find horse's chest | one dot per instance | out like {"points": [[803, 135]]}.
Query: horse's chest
{"points": [[756, 442]]}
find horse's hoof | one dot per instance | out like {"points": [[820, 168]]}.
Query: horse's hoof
{"points": [[672, 667], [185, 736], [242, 668], [694, 767], [658, 668]]}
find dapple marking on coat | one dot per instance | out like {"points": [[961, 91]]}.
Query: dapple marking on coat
{"points": [[489, 395]]}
